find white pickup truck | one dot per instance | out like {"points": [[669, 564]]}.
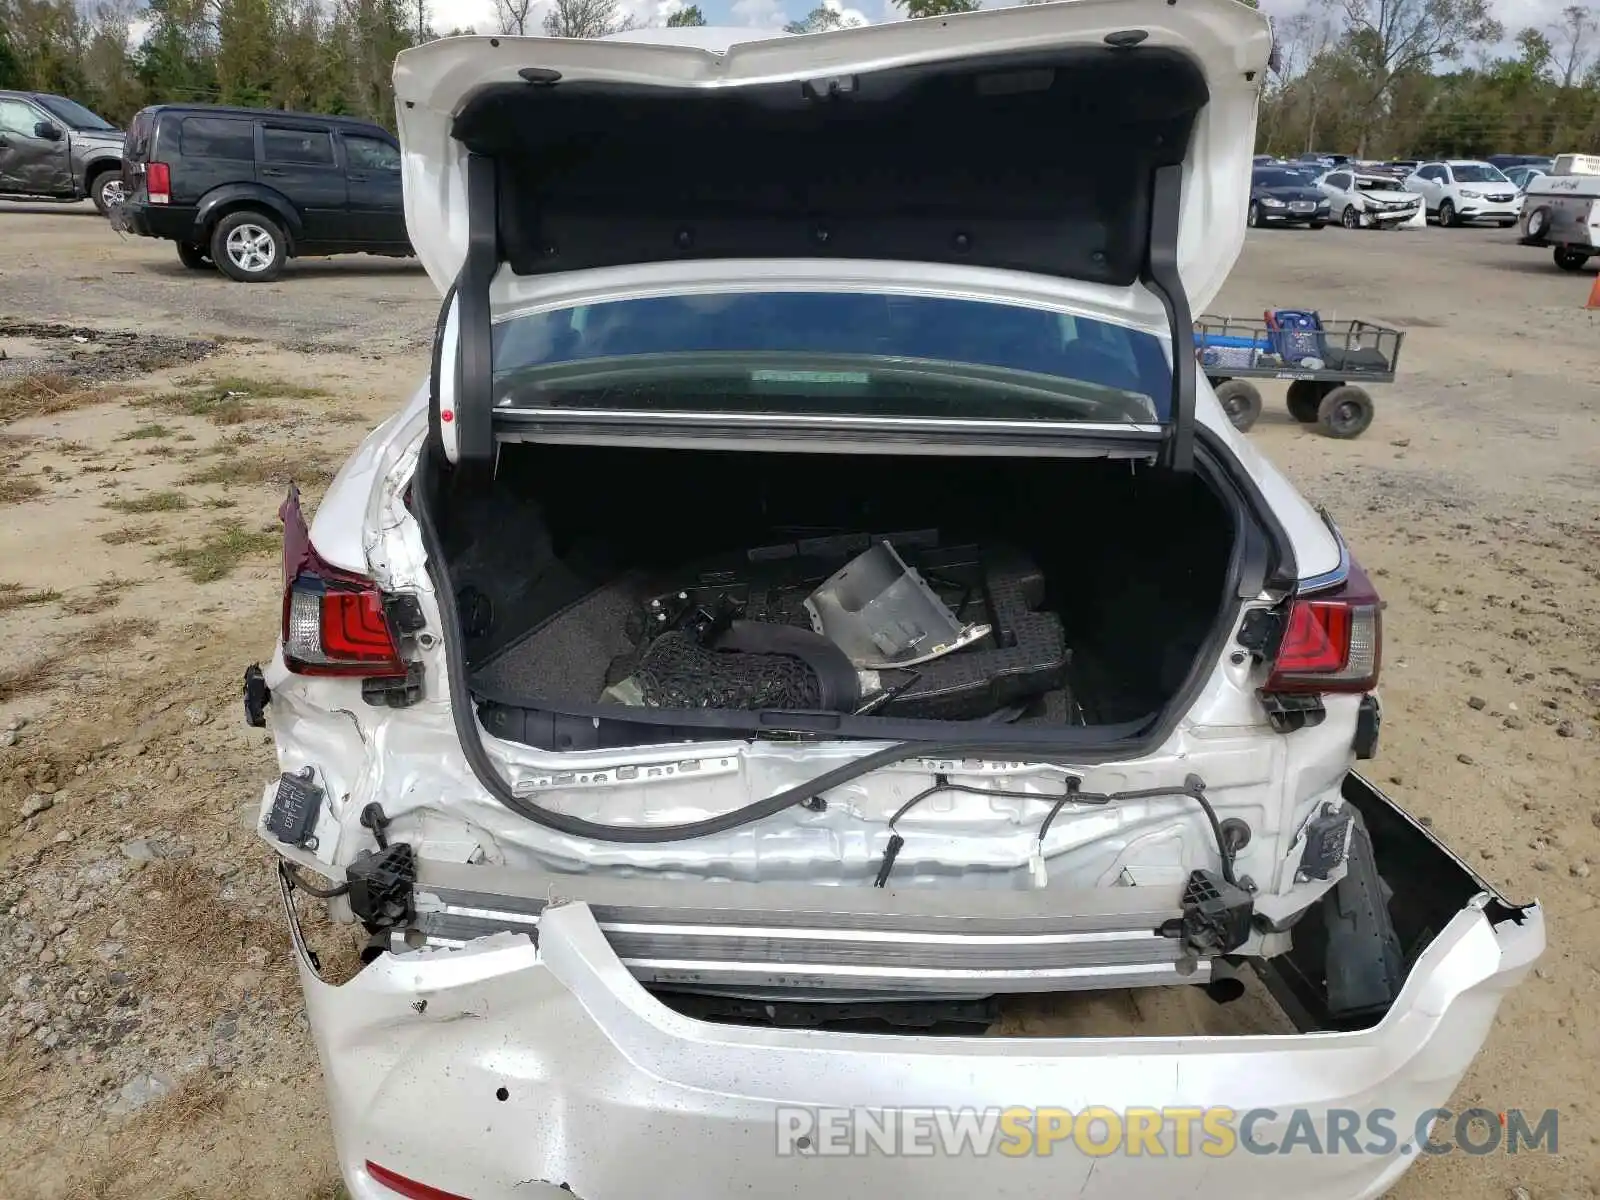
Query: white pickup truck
{"points": [[1560, 210]]}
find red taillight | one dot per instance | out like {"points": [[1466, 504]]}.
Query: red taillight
{"points": [[158, 183], [1332, 641], [400, 1185], [338, 627]]}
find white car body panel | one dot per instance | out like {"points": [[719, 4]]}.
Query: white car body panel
{"points": [[1363, 200], [1481, 205], [506, 1070], [1229, 41], [496, 1065]]}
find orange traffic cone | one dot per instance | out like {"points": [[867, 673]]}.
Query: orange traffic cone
{"points": [[1594, 294]]}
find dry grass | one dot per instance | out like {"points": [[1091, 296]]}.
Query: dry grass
{"points": [[29, 678], [160, 450], [193, 934], [14, 489], [153, 430], [199, 1096], [282, 468], [111, 635], [41, 395], [229, 399], [14, 595], [221, 550], [150, 502], [107, 594], [124, 534]]}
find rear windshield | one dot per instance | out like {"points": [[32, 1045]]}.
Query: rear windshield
{"points": [[845, 353], [75, 114], [1280, 179]]}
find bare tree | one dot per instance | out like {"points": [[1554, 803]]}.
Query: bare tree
{"points": [[1393, 39], [513, 16], [1571, 38], [586, 18]]}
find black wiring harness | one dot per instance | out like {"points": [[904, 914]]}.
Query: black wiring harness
{"points": [[1193, 787], [463, 715]]}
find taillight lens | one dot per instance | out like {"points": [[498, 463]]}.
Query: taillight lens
{"points": [[158, 183], [402, 1186], [1333, 640], [338, 627]]}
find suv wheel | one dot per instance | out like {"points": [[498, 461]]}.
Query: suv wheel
{"points": [[1569, 259], [248, 246], [1447, 214], [106, 191], [194, 256], [1350, 218]]}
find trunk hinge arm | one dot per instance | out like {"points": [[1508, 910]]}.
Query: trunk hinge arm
{"points": [[474, 364], [1161, 276]]}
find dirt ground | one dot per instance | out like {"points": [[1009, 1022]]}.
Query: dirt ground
{"points": [[151, 1038]]}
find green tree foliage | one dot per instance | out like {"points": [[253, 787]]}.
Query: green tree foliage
{"points": [[821, 19], [1423, 78], [937, 8], [686, 16]]}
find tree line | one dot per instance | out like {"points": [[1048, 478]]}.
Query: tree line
{"points": [[1380, 78]]}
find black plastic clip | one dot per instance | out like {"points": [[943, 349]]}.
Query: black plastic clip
{"points": [[1216, 915], [257, 695]]}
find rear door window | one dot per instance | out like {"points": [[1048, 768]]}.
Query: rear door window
{"points": [[19, 117], [370, 154], [308, 147], [217, 137]]}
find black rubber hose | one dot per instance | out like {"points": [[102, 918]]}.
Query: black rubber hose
{"points": [[483, 767]]}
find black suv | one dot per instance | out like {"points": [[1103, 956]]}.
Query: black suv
{"points": [[52, 148], [247, 189]]}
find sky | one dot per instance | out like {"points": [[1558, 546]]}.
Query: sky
{"points": [[773, 14]]}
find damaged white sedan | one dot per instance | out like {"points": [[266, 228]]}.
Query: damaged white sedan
{"points": [[811, 612]]}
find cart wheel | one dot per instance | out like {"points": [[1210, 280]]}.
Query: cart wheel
{"points": [[1345, 412], [1241, 401], [1569, 259], [1305, 396]]}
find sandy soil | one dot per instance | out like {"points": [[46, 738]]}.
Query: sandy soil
{"points": [[151, 1041]]}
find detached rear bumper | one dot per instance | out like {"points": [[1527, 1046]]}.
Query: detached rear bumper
{"points": [[508, 1070]]}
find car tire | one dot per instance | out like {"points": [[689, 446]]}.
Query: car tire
{"points": [[1241, 401], [249, 246], [1305, 396], [1569, 259], [1539, 222], [195, 256], [105, 189], [1253, 217], [1447, 214], [1350, 218], [1345, 412]]}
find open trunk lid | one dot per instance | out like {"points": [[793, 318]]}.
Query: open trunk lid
{"points": [[1094, 152]]}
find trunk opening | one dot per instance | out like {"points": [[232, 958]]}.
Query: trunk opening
{"points": [[1104, 583]]}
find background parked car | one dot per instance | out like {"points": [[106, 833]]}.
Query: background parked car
{"points": [[1283, 197], [247, 189], [52, 148], [1358, 200], [1504, 161], [1523, 176], [1461, 190]]}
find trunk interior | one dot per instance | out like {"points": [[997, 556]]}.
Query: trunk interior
{"points": [[1099, 581]]}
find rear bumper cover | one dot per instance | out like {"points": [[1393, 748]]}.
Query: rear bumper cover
{"points": [[508, 1069], [157, 220]]}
